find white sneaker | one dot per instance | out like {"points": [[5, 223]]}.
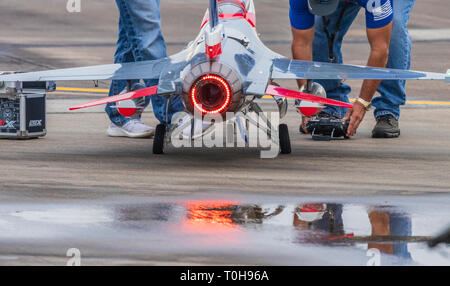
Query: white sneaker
{"points": [[133, 129]]}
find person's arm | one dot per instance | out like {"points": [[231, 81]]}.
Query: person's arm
{"points": [[302, 47], [379, 40]]}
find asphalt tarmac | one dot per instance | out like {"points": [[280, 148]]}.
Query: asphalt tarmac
{"points": [[117, 203]]}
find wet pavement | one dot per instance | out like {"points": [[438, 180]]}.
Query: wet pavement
{"points": [[327, 203], [223, 229]]}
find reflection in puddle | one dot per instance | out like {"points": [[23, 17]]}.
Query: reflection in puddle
{"points": [[281, 233], [317, 223], [210, 217], [77, 216], [385, 228]]}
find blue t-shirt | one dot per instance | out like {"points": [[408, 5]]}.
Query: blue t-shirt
{"points": [[379, 13]]}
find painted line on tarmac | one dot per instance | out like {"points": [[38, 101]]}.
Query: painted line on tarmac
{"points": [[104, 92], [75, 89]]}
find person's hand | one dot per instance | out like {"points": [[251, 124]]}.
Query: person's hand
{"points": [[356, 116], [304, 124]]}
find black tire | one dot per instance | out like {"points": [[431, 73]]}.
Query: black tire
{"points": [[285, 141], [158, 141]]}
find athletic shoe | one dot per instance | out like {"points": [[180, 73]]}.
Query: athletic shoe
{"points": [[133, 129], [386, 127]]}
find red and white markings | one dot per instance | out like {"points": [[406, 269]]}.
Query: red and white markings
{"points": [[118, 98], [308, 108], [127, 108]]}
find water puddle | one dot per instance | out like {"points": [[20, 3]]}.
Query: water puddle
{"points": [[293, 231]]}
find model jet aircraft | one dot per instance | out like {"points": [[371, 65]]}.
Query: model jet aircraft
{"points": [[223, 70]]}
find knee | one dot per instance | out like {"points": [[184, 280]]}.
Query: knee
{"points": [[399, 28], [150, 46]]}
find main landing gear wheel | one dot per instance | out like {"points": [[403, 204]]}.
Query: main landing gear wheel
{"points": [[285, 141], [158, 141]]}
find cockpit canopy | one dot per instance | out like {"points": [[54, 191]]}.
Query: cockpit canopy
{"points": [[232, 7]]}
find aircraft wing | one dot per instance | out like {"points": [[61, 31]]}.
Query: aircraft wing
{"points": [[283, 92], [125, 71], [121, 97], [284, 68]]}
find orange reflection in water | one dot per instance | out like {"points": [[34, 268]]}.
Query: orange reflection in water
{"points": [[210, 217]]}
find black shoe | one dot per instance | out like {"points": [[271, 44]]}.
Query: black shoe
{"points": [[386, 127]]}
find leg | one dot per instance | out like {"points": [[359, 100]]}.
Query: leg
{"points": [[335, 89], [393, 92], [123, 54], [400, 225], [143, 23]]}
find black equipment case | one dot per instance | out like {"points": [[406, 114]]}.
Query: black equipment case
{"points": [[23, 109]]}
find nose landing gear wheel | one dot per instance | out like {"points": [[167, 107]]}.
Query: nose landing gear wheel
{"points": [[158, 141], [285, 141]]}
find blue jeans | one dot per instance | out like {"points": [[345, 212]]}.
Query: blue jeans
{"points": [[392, 92], [140, 39], [400, 225]]}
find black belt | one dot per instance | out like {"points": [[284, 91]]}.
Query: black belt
{"points": [[331, 38]]}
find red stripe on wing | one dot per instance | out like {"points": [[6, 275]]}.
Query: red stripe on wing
{"points": [[125, 96], [283, 92]]}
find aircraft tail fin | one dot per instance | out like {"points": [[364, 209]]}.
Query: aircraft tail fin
{"points": [[213, 13], [214, 36]]}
